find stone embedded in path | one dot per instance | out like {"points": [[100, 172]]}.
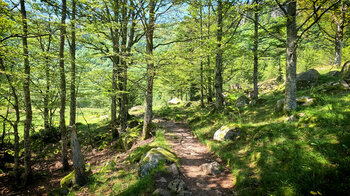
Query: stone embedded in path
{"points": [[173, 169], [212, 168], [177, 185], [161, 192], [153, 158], [226, 133], [184, 193]]}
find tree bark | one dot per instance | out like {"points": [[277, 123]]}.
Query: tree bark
{"points": [[116, 59], [146, 131], [27, 101], [201, 62], [63, 88], [291, 64], [210, 93], [338, 41], [78, 158], [123, 112], [218, 68], [256, 47]]}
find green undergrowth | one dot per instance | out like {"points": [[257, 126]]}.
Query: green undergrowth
{"points": [[121, 178], [275, 157]]}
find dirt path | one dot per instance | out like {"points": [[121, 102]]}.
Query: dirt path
{"points": [[192, 155]]}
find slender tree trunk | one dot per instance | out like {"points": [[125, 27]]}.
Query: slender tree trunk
{"points": [[339, 35], [116, 59], [256, 47], [291, 64], [63, 89], [210, 93], [78, 158], [218, 68], [201, 62], [46, 96], [146, 132], [27, 101], [123, 112]]}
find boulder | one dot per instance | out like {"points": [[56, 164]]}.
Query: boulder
{"points": [[279, 105], [174, 101], [173, 169], [177, 185], [307, 79], [136, 108], [305, 101], [212, 168], [242, 101], [153, 158], [334, 73], [161, 192], [226, 133]]}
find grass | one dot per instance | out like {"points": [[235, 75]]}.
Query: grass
{"points": [[274, 157]]}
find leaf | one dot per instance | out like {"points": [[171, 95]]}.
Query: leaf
{"points": [[313, 193]]}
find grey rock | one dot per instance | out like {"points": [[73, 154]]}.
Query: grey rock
{"points": [[305, 100], [152, 159], [161, 192], [136, 108], [279, 105], [177, 185], [226, 133], [184, 193], [242, 101], [173, 169], [307, 79], [162, 180], [212, 168]]}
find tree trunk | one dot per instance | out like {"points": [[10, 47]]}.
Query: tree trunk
{"points": [[63, 88], [339, 35], [218, 67], [201, 62], [78, 158], [123, 112], [291, 64], [116, 59], [46, 97], [210, 93], [256, 47], [27, 101], [146, 132]]}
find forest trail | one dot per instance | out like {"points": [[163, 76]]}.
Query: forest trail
{"points": [[192, 154]]}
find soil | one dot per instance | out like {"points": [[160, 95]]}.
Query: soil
{"points": [[192, 154]]}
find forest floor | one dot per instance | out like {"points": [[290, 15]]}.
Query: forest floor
{"points": [[192, 154]]}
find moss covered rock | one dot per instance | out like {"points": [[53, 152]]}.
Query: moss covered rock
{"points": [[153, 158], [68, 180]]}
